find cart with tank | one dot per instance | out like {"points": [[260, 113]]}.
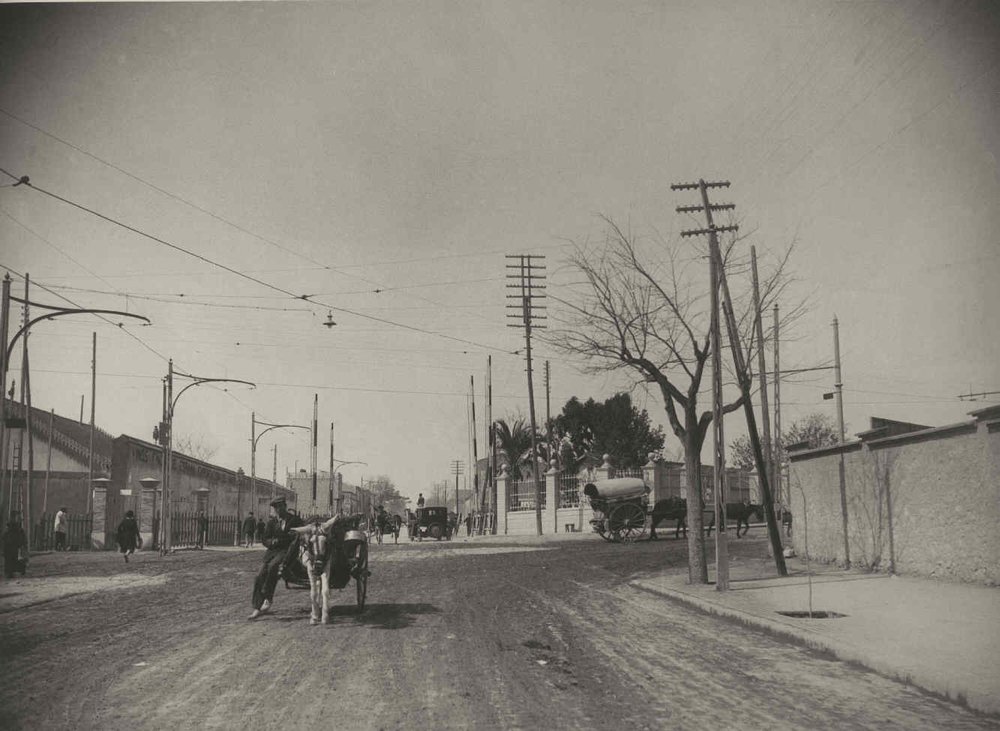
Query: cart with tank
{"points": [[621, 507]]}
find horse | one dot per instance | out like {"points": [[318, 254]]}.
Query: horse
{"points": [[317, 555], [742, 513], [673, 508], [386, 524]]}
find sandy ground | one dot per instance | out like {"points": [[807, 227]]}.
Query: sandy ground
{"points": [[455, 635]]}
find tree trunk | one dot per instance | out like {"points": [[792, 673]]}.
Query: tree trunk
{"points": [[697, 560]]}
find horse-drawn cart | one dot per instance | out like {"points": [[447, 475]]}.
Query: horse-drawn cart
{"points": [[340, 549], [620, 508]]}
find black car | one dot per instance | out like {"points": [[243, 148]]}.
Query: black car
{"points": [[431, 523]]}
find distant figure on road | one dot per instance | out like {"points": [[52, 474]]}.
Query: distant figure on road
{"points": [[127, 535], [15, 548], [202, 529], [468, 525], [61, 522], [261, 527], [420, 501], [249, 529]]}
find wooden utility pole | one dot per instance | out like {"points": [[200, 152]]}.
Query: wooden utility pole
{"points": [[743, 375], [718, 434], [315, 443], [456, 468], [548, 409], [778, 447], [475, 450], [720, 282], [765, 416], [26, 394], [838, 391], [93, 410], [4, 367], [530, 276]]}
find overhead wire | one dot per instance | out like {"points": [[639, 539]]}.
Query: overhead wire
{"points": [[236, 272]]}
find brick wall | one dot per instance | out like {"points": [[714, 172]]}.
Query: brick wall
{"points": [[944, 488]]}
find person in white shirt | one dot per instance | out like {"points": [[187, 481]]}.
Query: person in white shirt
{"points": [[60, 529]]}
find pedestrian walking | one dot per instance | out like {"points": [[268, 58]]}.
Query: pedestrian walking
{"points": [[249, 529], [15, 548], [127, 535], [468, 525], [202, 529], [261, 526], [281, 543], [61, 522]]}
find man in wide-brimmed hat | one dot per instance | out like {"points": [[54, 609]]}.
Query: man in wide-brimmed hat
{"points": [[280, 539]]}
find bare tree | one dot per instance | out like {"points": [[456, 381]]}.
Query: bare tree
{"points": [[195, 445], [649, 314]]}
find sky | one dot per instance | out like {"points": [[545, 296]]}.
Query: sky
{"points": [[280, 164]]}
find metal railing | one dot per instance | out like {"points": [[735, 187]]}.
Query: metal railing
{"points": [[522, 496], [568, 491]]}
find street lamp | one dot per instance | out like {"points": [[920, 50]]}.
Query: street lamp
{"points": [[165, 435], [7, 348], [254, 438]]}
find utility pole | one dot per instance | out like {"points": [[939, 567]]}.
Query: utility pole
{"points": [[4, 367], [475, 449], [491, 436], [26, 398], [93, 411], [718, 436], [315, 429], [778, 447], [762, 372], [274, 472], [720, 281], [548, 409], [838, 390], [456, 469], [530, 276], [334, 497]]}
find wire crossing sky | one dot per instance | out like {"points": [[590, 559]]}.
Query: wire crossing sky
{"points": [[238, 172]]}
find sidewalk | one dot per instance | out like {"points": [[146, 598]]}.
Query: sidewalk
{"points": [[939, 636]]}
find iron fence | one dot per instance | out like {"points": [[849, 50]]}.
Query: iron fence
{"points": [[522, 496], [568, 488], [78, 528], [189, 530]]}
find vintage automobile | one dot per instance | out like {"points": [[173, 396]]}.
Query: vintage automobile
{"points": [[431, 523]]}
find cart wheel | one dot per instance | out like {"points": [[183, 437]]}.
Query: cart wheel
{"points": [[361, 580], [627, 522]]}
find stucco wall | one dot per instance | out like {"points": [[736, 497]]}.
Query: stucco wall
{"points": [[945, 492]]}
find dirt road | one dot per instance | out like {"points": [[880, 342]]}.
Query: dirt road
{"points": [[490, 633]]}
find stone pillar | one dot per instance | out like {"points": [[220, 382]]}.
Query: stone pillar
{"points": [[652, 473], [605, 470], [147, 511], [503, 479], [97, 529], [552, 497]]}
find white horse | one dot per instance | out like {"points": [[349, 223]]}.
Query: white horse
{"points": [[316, 555]]}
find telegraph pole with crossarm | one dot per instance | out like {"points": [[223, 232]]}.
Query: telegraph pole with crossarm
{"points": [[531, 273]]}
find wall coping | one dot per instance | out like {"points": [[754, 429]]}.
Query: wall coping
{"points": [[923, 435], [805, 454]]}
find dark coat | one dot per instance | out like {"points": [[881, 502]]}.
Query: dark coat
{"points": [[249, 526], [278, 538], [14, 539], [127, 535]]}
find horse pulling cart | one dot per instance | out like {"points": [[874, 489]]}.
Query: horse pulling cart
{"points": [[331, 553], [620, 508]]}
